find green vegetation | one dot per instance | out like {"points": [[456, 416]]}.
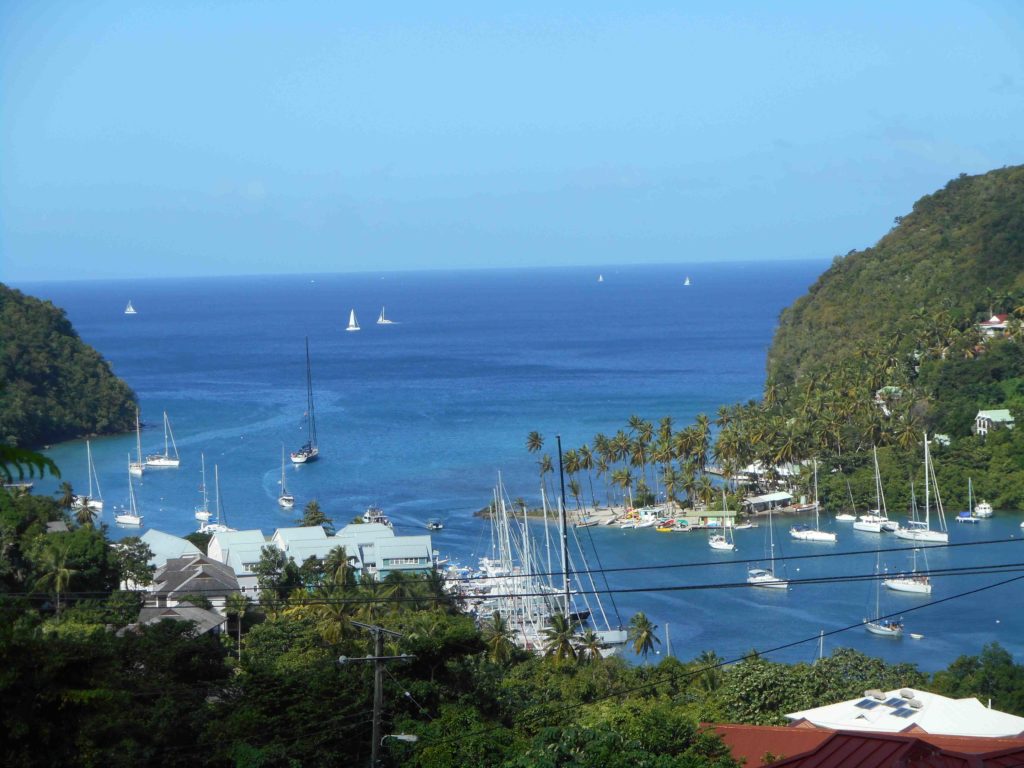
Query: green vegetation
{"points": [[56, 387]]}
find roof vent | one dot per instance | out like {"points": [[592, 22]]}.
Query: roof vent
{"points": [[906, 693], [915, 703], [874, 693]]}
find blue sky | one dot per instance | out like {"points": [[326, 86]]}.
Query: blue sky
{"points": [[148, 139]]}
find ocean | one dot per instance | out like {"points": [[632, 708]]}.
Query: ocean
{"points": [[421, 416]]}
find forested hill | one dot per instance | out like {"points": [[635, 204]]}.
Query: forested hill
{"points": [[956, 257], [54, 386]]}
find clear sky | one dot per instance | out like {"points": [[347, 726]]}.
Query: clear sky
{"points": [[144, 139]]}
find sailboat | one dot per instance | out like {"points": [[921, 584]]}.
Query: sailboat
{"points": [[310, 451], [285, 500], [876, 520], [687, 280], [93, 502], [165, 459], [203, 510], [918, 530], [136, 467], [353, 324], [805, 532], [600, 278], [380, 320], [916, 582], [217, 526], [130, 516], [878, 625], [765, 577], [968, 516], [130, 310], [723, 541]]}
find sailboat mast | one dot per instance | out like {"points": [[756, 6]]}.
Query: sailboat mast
{"points": [[91, 469], [927, 485], [565, 533], [309, 398], [817, 522], [138, 438]]}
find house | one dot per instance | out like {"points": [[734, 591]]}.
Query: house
{"points": [[911, 711], [994, 326], [205, 621], [986, 421], [166, 547], [886, 397], [182, 577], [241, 551], [756, 504]]}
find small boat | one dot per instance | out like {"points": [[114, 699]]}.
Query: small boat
{"points": [[983, 509], [137, 467], [743, 526], [722, 541], [203, 510], [586, 523], [434, 524], [285, 500], [967, 517], [380, 320], [217, 526], [130, 310], [376, 515], [353, 324], [130, 516], [802, 532], [916, 636], [310, 451], [687, 280], [845, 517], [765, 577], [921, 530], [884, 627], [95, 503], [600, 278], [165, 459]]}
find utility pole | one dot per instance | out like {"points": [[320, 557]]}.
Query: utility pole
{"points": [[378, 659]]}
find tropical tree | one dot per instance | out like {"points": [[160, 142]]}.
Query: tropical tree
{"points": [[67, 495], [559, 637], [534, 442], [642, 634], [313, 515], [54, 571], [238, 606], [590, 645], [338, 567], [497, 637], [84, 515]]}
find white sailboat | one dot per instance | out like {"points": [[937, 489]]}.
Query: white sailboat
{"points": [[353, 324], [380, 320], [130, 310], [687, 280], [915, 582], [130, 516], [310, 451], [218, 526], [968, 515], [137, 467], [723, 541], [203, 510], [285, 500], [600, 278], [877, 625], [765, 577], [875, 520], [806, 533], [93, 501], [165, 459], [921, 530]]}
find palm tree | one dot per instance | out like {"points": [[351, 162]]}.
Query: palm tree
{"points": [[642, 634], [497, 637], [709, 672], [313, 515], [623, 478], [54, 571], [338, 567], [558, 638], [590, 645], [238, 606], [84, 515], [587, 464], [534, 442], [67, 495]]}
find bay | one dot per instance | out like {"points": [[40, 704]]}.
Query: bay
{"points": [[419, 417]]}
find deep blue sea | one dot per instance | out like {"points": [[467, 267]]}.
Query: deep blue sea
{"points": [[419, 417]]}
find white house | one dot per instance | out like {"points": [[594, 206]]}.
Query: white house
{"points": [[907, 710], [986, 421], [994, 326]]}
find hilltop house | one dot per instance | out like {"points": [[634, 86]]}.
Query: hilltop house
{"points": [[986, 421], [994, 326]]}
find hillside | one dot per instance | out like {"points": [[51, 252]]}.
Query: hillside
{"points": [[956, 257], [55, 386]]}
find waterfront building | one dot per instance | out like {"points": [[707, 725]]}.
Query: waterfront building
{"points": [[986, 421]]}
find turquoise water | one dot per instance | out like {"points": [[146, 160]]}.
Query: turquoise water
{"points": [[421, 416]]}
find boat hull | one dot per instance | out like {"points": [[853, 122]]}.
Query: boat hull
{"points": [[305, 456], [132, 520], [938, 537], [96, 505], [812, 535], [766, 580], [163, 461], [860, 525], [916, 586], [883, 630], [287, 501]]}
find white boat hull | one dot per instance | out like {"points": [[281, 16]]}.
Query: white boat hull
{"points": [[968, 520], [128, 519], [720, 543], [96, 505], [883, 630], [984, 509], [844, 518], [916, 586], [860, 525], [812, 535], [305, 457], [939, 537], [135, 469], [163, 461], [202, 514], [766, 579], [286, 501]]}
